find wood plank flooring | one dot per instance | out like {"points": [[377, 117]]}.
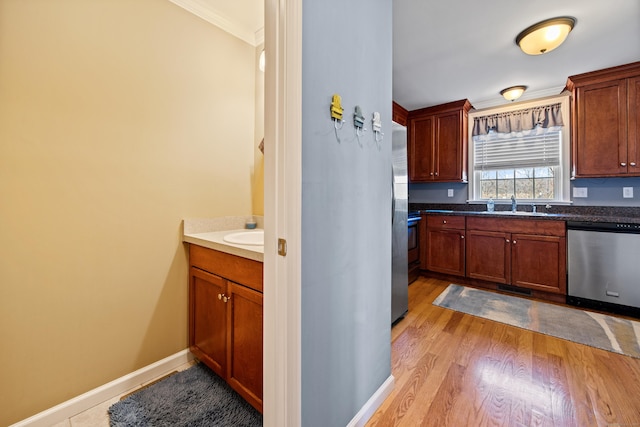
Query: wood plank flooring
{"points": [[453, 369]]}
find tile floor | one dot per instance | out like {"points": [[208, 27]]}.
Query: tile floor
{"points": [[97, 416]]}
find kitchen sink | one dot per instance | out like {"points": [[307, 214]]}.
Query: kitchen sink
{"points": [[519, 213], [254, 237]]}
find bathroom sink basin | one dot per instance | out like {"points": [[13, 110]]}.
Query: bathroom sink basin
{"points": [[254, 237]]}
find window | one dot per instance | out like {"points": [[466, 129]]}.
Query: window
{"points": [[529, 161]]}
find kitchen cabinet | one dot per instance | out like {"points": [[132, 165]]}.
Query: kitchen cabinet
{"points": [[445, 244], [437, 143], [606, 122], [413, 248], [527, 253], [399, 114], [226, 318]]}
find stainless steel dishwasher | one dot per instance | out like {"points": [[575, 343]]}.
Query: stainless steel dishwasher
{"points": [[604, 266]]}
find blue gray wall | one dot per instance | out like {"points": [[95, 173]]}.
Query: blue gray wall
{"points": [[600, 192], [346, 209]]}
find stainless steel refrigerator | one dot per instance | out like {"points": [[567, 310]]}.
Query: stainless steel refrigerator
{"points": [[400, 206]]}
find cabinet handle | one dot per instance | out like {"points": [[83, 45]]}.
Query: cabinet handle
{"points": [[623, 164], [632, 164]]}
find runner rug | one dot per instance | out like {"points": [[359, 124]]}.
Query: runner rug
{"points": [[602, 331]]}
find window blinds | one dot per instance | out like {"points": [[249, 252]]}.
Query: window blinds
{"points": [[508, 151]]}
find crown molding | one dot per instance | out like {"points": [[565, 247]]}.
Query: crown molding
{"points": [[213, 17]]}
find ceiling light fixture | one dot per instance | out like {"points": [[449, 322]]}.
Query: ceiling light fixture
{"points": [[512, 93], [545, 36]]}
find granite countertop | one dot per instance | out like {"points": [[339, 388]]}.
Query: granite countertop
{"points": [[210, 232], [630, 215]]}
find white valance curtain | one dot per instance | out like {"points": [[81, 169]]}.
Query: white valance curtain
{"points": [[513, 122]]}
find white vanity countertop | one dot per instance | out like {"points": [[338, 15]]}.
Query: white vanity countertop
{"points": [[209, 233]]}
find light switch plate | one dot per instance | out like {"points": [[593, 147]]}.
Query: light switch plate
{"points": [[580, 191], [627, 192], [450, 192]]}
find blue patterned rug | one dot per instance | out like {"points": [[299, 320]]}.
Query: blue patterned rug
{"points": [[584, 327], [193, 397]]}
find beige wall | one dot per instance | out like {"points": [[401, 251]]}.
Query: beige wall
{"points": [[257, 191], [118, 118]]}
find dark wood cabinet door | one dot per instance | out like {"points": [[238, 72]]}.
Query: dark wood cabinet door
{"points": [[208, 320], [244, 342], [633, 141], [539, 262], [422, 227], [600, 147], [446, 251], [489, 256], [420, 153], [448, 147]]}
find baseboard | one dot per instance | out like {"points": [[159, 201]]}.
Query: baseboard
{"points": [[373, 403], [107, 391]]}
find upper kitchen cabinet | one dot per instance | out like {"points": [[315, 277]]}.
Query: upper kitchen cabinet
{"points": [[606, 122], [437, 147], [399, 114]]}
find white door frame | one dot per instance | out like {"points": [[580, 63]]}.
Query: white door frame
{"points": [[282, 204]]}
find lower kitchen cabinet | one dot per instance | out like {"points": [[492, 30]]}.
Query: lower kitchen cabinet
{"points": [[445, 244], [226, 319], [525, 253]]}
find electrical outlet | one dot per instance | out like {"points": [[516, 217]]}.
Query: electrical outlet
{"points": [[580, 191], [450, 192], [627, 192]]}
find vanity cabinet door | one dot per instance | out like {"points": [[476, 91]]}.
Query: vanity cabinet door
{"points": [[244, 343], [208, 320]]}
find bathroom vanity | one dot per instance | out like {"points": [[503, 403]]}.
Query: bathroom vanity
{"points": [[225, 310]]}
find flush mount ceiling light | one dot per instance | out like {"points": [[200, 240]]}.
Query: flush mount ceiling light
{"points": [[545, 36], [512, 93]]}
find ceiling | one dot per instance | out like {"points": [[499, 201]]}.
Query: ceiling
{"points": [[449, 50]]}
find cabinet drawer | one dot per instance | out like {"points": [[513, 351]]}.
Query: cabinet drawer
{"points": [[231, 267], [446, 222], [527, 226]]}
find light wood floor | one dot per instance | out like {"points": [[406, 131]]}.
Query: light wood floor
{"points": [[453, 369]]}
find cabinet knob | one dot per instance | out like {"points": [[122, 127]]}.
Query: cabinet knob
{"points": [[632, 164], [623, 164], [462, 236], [431, 174], [226, 298], [219, 296], [514, 242], [444, 221], [436, 173], [507, 240]]}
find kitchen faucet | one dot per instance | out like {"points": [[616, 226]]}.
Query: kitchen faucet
{"points": [[514, 204]]}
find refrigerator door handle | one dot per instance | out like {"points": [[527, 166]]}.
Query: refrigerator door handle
{"points": [[393, 197]]}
